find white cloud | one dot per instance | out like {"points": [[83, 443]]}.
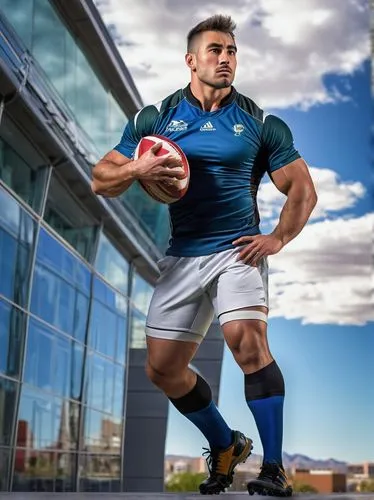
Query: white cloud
{"points": [[325, 275], [334, 194], [284, 51]]}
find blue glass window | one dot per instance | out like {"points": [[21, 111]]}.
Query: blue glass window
{"points": [[118, 391], [121, 340], [65, 424], [107, 467], [54, 255], [53, 362], [137, 336], [151, 215], [65, 472], [47, 423], [61, 287], [108, 321], [21, 166], [103, 329], [12, 334], [70, 219], [99, 383], [39, 368], [19, 13], [141, 294], [62, 369], [101, 433], [35, 426], [112, 265], [8, 394], [17, 232], [77, 357], [34, 470]]}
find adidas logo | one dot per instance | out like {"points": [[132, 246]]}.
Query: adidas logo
{"points": [[207, 127]]}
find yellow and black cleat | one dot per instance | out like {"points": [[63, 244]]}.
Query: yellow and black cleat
{"points": [[221, 464]]}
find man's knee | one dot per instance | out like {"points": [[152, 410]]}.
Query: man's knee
{"points": [[245, 357], [250, 356], [164, 376], [247, 340], [168, 360], [156, 374]]}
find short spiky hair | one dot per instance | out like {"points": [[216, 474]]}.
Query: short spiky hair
{"points": [[214, 23]]}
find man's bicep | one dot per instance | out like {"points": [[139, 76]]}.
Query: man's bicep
{"points": [[295, 173]]}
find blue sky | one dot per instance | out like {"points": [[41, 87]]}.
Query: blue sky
{"points": [[338, 135], [329, 407], [310, 67]]}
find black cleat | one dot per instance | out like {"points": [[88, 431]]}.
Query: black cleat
{"points": [[221, 464], [271, 481]]}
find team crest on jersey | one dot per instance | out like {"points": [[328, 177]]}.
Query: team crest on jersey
{"points": [[177, 126], [238, 128]]}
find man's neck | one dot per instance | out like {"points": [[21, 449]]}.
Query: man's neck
{"points": [[210, 98]]}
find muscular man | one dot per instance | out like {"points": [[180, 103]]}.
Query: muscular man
{"points": [[216, 261]]}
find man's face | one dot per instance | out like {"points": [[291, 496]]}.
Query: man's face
{"points": [[214, 59]]}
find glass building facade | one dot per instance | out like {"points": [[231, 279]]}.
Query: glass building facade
{"points": [[71, 303], [64, 335], [92, 108], [68, 70]]}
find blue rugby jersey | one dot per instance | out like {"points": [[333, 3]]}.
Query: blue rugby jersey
{"points": [[229, 150]]}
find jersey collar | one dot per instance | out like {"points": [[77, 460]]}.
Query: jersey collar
{"points": [[195, 102]]}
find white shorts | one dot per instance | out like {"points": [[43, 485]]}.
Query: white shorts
{"points": [[190, 290]]}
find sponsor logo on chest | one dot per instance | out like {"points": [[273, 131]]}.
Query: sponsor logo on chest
{"points": [[177, 126]]}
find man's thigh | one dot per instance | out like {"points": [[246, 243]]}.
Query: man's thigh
{"points": [[241, 291], [180, 308]]}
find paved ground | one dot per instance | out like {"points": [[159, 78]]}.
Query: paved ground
{"points": [[170, 496]]}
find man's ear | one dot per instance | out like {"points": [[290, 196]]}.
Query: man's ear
{"points": [[190, 61]]}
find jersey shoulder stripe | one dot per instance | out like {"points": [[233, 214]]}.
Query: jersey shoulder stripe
{"points": [[172, 101], [250, 107], [144, 121]]}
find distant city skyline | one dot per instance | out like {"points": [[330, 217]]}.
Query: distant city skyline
{"points": [[296, 458]]}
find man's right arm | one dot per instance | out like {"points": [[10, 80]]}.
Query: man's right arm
{"points": [[115, 173]]}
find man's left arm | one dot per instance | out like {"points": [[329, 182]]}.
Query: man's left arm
{"points": [[291, 176], [295, 182]]}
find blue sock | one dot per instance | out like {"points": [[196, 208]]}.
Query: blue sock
{"points": [[211, 423], [268, 415]]}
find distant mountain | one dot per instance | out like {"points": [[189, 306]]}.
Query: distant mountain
{"points": [[289, 461], [302, 461]]}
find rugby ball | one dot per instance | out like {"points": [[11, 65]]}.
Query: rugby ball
{"points": [[164, 191]]}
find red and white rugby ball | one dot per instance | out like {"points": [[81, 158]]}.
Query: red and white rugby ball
{"points": [[175, 189]]}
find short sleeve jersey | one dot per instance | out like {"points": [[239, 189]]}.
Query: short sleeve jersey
{"points": [[229, 150]]}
